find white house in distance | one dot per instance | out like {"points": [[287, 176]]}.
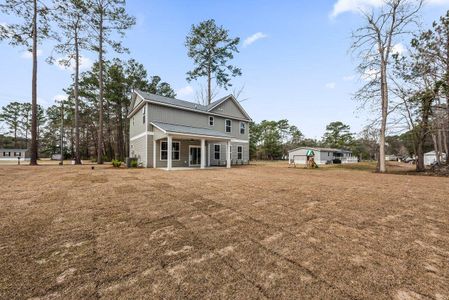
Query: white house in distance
{"points": [[322, 155], [13, 154], [431, 157]]}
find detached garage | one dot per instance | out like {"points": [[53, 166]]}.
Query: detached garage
{"points": [[321, 155]]}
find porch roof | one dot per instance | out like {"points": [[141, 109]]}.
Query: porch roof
{"points": [[190, 131]]}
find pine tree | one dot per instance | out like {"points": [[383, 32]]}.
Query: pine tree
{"points": [[33, 26], [211, 48]]}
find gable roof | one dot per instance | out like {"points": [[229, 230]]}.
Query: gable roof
{"points": [[217, 103], [186, 105], [321, 149]]}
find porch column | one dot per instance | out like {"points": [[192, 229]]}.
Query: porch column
{"points": [[154, 153], [203, 153], [228, 154], [169, 152]]}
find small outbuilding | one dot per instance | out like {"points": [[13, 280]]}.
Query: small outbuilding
{"points": [[431, 157], [321, 155], [13, 154]]}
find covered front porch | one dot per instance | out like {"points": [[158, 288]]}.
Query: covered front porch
{"points": [[181, 147]]}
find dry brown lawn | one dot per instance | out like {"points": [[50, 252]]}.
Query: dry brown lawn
{"points": [[261, 231]]}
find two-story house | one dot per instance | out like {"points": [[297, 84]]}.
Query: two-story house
{"points": [[170, 133]]}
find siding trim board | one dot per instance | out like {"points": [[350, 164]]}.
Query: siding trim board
{"points": [[141, 135]]}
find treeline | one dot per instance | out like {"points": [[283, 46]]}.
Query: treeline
{"points": [[120, 77], [273, 139]]}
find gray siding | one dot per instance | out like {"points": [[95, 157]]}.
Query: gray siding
{"points": [[234, 154], [181, 117], [136, 125], [325, 156], [137, 150], [229, 108]]}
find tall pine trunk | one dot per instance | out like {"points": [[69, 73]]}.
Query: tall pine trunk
{"points": [[100, 100], [33, 150], [76, 92], [209, 84]]}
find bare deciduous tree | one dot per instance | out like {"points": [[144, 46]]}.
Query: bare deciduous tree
{"points": [[373, 43]]}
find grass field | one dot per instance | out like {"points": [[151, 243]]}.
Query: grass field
{"points": [[260, 231]]}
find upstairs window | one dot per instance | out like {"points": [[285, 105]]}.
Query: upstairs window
{"points": [[217, 152], [211, 121], [239, 152], [242, 127], [143, 114], [228, 125]]}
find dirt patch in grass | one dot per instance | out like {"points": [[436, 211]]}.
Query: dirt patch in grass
{"points": [[260, 231]]}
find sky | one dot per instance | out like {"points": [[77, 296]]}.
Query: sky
{"points": [[294, 55]]}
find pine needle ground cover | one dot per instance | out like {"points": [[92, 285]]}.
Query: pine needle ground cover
{"points": [[260, 231]]}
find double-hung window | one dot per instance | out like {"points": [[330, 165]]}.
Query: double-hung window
{"points": [[143, 114], [228, 125], [239, 152], [217, 152], [242, 127], [176, 150], [211, 121]]}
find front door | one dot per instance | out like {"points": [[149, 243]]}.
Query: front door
{"points": [[195, 156]]}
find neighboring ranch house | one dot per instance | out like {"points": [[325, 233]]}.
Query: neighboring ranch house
{"points": [[322, 155], [13, 154], [171, 133]]}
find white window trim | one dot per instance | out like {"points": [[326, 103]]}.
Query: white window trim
{"points": [[213, 120], [230, 126], [160, 150], [239, 152], [219, 152], [244, 128], [144, 119]]}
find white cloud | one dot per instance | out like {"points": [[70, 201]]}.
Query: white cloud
{"points": [[29, 54], [253, 38], [85, 64], [349, 78], [399, 49], [185, 91], [342, 6], [331, 85], [60, 97]]}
